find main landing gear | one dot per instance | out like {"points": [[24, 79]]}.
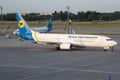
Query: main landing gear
{"points": [[57, 48]]}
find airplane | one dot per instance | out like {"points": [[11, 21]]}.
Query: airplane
{"points": [[63, 41], [43, 29]]}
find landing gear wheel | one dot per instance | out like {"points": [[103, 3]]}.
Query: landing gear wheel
{"points": [[57, 48], [71, 47], [112, 49], [105, 50]]}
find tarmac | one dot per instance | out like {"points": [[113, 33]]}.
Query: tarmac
{"points": [[20, 60]]}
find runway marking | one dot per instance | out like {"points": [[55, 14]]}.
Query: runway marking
{"points": [[97, 63], [39, 74], [62, 69]]}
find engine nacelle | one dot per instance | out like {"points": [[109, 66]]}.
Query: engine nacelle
{"points": [[65, 46]]}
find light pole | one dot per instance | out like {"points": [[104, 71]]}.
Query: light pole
{"points": [[1, 8], [68, 10], [69, 31], [1, 15]]}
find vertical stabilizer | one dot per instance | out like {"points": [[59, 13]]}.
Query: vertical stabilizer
{"points": [[25, 32], [22, 25], [49, 26]]}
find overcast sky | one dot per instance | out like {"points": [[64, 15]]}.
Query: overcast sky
{"points": [[28, 6]]}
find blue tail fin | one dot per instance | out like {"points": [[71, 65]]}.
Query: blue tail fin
{"points": [[25, 32], [49, 26], [22, 25]]}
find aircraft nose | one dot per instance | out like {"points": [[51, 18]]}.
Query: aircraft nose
{"points": [[114, 43]]}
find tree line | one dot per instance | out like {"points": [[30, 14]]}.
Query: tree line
{"points": [[63, 16]]}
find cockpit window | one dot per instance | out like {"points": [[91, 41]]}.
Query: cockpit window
{"points": [[109, 39]]}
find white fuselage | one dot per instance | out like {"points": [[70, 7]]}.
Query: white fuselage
{"points": [[76, 40]]}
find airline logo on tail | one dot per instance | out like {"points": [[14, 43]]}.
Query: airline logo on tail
{"points": [[21, 24]]}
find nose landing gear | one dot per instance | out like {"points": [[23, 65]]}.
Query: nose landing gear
{"points": [[109, 48], [112, 49]]}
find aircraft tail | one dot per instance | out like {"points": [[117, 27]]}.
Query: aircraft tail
{"points": [[25, 32], [22, 25], [49, 25]]}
